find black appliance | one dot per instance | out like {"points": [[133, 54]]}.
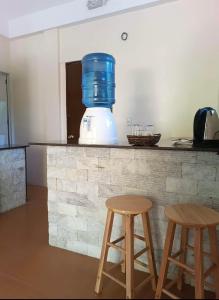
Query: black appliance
{"points": [[206, 128]]}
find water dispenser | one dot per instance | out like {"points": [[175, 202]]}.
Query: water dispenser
{"points": [[98, 88]]}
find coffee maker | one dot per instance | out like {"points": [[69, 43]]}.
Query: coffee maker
{"points": [[206, 128]]}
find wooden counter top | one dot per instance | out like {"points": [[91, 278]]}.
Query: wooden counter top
{"points": [[161, 146], [11, 147]]}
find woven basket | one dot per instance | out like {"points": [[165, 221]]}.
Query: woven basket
{"points": [[144, 140]]}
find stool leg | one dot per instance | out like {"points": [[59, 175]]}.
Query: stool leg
{"points": [[199, 278], [165, 263], [124, 244], [182, 259], [129, 257], [214, 256], [149, 244], [105, 250]]}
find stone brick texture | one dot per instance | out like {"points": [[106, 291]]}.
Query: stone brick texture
{"points": [[81, 179], [12, 179]]}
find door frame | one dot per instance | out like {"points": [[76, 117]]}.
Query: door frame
{"points": [[8, 106], [63, 108], [63, 100]]}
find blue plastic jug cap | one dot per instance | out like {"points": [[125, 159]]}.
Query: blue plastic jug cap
{"points": [[99, 57]]}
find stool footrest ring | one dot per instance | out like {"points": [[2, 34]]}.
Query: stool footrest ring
{"points": [[118, 240], [144, 282], [138, 262], [177, 254], [169, 294], [171, 283], [207, 284], [181, 265], [189, 247], [115, 266], [141, 238], [116, 247], [114, 279], [140, 253]]}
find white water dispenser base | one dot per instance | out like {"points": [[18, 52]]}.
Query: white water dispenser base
{"points": [[98, 127]]}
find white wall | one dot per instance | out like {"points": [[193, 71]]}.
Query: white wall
{"points": [[35, 81], [168, 68], [4, 54]]}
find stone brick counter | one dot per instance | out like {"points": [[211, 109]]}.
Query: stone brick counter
{"points": [[80, 179], [12, 177]]}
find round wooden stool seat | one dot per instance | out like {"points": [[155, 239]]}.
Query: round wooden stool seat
{"points": [[192, 215], [129, 204]]}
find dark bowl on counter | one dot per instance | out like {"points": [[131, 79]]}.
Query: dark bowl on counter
{"points": [[144, 140]]}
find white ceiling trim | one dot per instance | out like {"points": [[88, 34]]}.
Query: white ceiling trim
{"points": [[70, 13]]}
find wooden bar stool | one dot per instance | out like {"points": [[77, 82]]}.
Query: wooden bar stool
{"points": [[198, 218], [128, 207]]}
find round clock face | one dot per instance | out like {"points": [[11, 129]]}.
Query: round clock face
{"points": [[124, 36]]}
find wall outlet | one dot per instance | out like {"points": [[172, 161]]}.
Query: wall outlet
{"points": [[93, 4]]}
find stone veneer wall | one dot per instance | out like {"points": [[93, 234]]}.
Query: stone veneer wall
{"points": [[12, 179], [81, 179]]}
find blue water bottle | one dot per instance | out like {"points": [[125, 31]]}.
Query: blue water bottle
{"points": [[98, 81]]}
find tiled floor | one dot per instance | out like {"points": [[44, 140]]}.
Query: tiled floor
{"points": [[29, 268]]}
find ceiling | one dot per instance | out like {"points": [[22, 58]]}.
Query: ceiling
{"points": [[12, 9], [23, 17]]}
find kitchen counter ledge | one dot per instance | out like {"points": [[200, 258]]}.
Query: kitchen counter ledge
{"points": [[12, 147], [161, 146]]}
